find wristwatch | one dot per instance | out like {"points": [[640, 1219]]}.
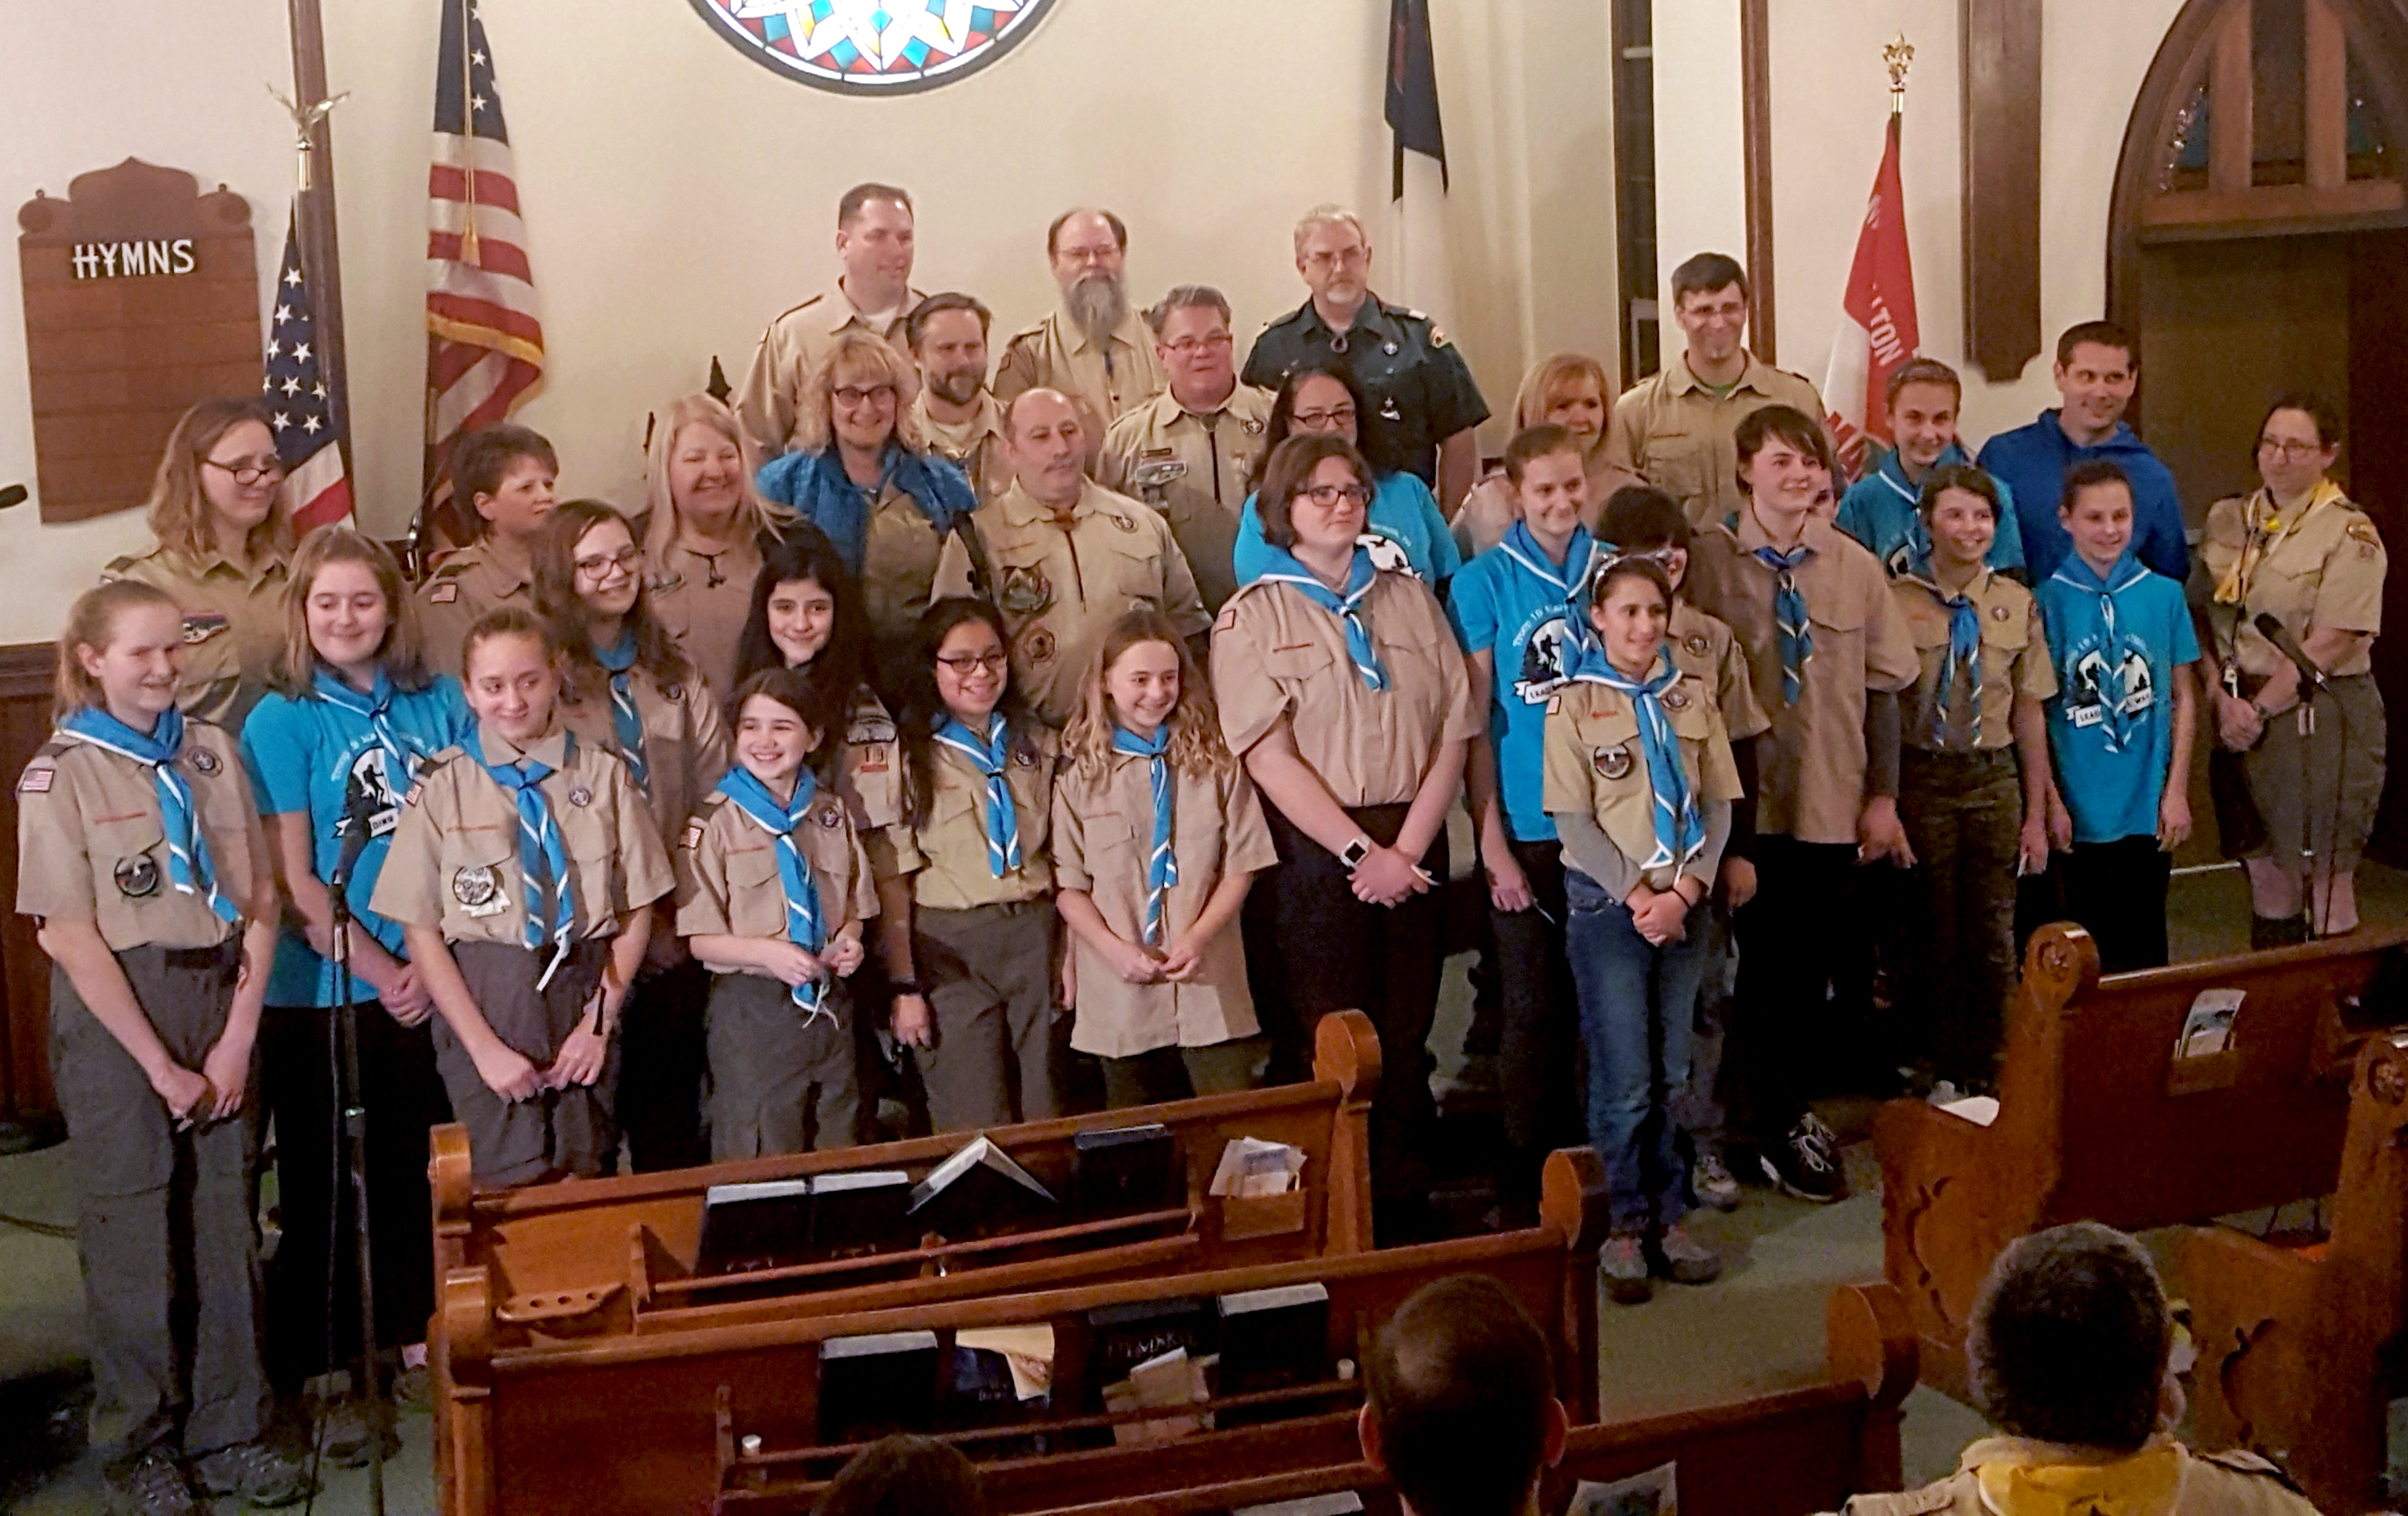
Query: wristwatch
{"points": [[1353, 854], [899, 988]]}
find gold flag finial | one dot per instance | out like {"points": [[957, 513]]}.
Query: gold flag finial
{"points": [[305, 126], [1899, 55]]}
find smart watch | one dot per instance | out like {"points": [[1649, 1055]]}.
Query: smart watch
{"points": [[1353, 854]]}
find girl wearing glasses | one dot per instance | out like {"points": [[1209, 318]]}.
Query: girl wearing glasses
{"points": [[223, 541], [1342, 689], [704, 532], [1317, 401], [863, 473], [969, 955]]}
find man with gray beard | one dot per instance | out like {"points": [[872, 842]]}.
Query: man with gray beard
{"points": [[1093, 348]]}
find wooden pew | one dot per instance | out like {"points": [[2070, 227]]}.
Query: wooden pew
{"points": [[2099, 1121], [1782, 1455], [2297, 1343], [661, 1419]]}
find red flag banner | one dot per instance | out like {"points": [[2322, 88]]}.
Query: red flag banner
{"points": [[1877, 329]]}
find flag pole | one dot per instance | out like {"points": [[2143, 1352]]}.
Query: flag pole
{"points": [[321, 253]]}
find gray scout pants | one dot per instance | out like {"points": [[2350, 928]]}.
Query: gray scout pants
{"points": [[559, 1132], [989, 973], [780, 1084], [165, 1233]]}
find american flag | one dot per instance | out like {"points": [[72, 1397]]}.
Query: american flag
{"points": [[484, 345], [305, 414]]}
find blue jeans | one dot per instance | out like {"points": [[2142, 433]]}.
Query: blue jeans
{"points": [[1635, 1000]]}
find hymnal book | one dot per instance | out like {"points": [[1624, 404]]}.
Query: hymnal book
{"points": [[978, 1191], [1256, 1167], [1125, 1170], [861, 1211], [1272, 1340], [1120, 1337], [765, 1225], [981, 1389], [1172, 1380], [871, 1386], [1336, 1503]]}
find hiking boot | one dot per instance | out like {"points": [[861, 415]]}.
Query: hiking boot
{"points": [[152, 1485], [1622, 1267], [1688, 1261], [1806, 1164], [1712, 1178], [261, 1474]]}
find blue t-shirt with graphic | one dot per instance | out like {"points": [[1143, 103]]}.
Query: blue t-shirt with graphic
{"points": [[2115, 643], [1514, 603], [1879, 510], [1403, 510]]}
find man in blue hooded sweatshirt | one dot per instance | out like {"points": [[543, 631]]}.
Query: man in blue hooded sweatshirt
{"points": [[1880, 510], [2096, 367]]}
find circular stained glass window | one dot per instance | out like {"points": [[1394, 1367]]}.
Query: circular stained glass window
{"points": [[873, 46]]}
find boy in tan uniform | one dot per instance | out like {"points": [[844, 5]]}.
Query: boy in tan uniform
{"points": [[506, 474]]}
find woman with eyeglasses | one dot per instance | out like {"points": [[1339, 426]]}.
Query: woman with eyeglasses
{"points": [[2311, 760], [223, 550], [863, 473], [1318, 401], [631, 691], [705, 531], [1342, 689]]}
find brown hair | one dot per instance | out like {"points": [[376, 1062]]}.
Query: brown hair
{"points": [[1791, 425], [513, 621], [1532, 443], [854, 352], [1539, 386], [1921, 371], [1629, 566], [848, 205], [660, 511], [92, 620], [1706, 272], [1195, 743], [1288, 472], [2103, 333], [1461, 1366], [824, 714], [402, 652], [904, 1475], [557, 600], [1976, 482], [179, 506], [481, 460]]}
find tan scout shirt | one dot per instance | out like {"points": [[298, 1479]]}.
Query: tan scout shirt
{"points": [[2324, 568], [2233, 1483], [1192, 466], [1595, 763], [2015, 662], [795, 344], [899, 564], [1103, 836], [1704, 648], [869, 780], [92, 846], [704, 600], [1106, 383], [1810, 767], [462, 587], [1278, 657], [1675, 433], [1060, 588], [728, 883], [974, 446], [233, 626], [947, 857], [687, 747], [454, 861]]}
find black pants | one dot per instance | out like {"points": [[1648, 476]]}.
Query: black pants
{"points": [[404, 1098], [2118, 892], [1802, 935], [662, 1062], [1539, 1045], [1338, 953]]}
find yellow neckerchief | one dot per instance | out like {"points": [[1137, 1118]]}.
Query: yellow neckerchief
{"points": [[2263, 529], [2016, 1481]]}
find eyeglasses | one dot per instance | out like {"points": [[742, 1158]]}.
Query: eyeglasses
{"points": [[964, 664], [626, 559], [1326, 495], [2287, 448], [1188, 347], [849, 396], [249, 471], [1343, 257], [1319, 421]]}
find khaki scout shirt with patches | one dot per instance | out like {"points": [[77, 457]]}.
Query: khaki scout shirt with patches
{"points": [[1277, 658], [1704, 648], [233, 626], [704, 599], [946, 857], [1105, 381], [1595, 763], [2015, 662], [454, 861], [727, 881], [899, 561], [92, 846], [1809, 765], [2323, 569], [1193, 467], [1060, 587], [462, 587], [2231, 1483], [686, 743], [974, 446], [1671, 431], [870, 779], [1103, 838], [793, 345]]}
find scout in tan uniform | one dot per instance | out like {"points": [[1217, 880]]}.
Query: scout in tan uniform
{"points": [[2299, 550], [703, 531], [772, 891], [1190, 452], [956, 412], [970, 945], [874, 242], [2068, 1346], [1829, 649], [1674, 429], [507, 473], [140, 855], [223, 548], [1342, 689], [1067, 557], [522, 872], [1973, 775], [1093, 348], [1157, 834]]}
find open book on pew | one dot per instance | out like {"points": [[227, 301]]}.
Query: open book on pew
{"points": [[980, 1190]]}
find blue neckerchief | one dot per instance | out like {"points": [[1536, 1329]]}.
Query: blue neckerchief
{"points": [[401, 755], [1161, 863], [626, 721], [1964, 653], [1281, 568], [1680, 829], [2116, 720], [990, 755], [190, 868], [543, 862], [1797, 635], [805, 927], [816, 484], [1568, 582], [1912, 557]]}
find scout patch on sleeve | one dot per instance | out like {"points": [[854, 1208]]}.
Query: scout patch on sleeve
{"points": [[415, 790], [443, 595], [1554, 704], [205, 763], [1611, 763], [36, 780], [693, 837], [201, 626]]}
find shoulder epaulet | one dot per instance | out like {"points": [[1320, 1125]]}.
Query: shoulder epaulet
{"points": [[793, 310], [50, 750], [1034, 329], [118, 567], [454, 566], [2241, 1461]]}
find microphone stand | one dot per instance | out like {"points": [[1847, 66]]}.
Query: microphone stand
{"points": [[2312, 683], [344, 1060]]}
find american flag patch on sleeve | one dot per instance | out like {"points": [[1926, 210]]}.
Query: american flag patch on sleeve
{"points": [[36, 780]]}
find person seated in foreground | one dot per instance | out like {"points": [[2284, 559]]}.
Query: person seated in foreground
{"points": [[1460, 1367], [904, 1475]]}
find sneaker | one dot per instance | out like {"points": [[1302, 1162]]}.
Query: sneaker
{"points": [[152, 1485], [347, 1433], [414, 1388], [1713, 1181], [1806, 1164], [261, 1474], [1688, 1261], [1622, 1267]]}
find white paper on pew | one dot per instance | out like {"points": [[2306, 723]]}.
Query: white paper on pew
{"points": [[1651, 1492], [1254, 1167], [2207, 1026], [1980, 1110], [1170, 1378], [1027, 1351], [1336, 1503]]}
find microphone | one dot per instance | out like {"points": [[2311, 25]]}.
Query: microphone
{"points": [[359, 814], [2271, 628]]}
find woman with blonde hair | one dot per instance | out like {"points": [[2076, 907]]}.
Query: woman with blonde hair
{"points": [[1570, 390], [223, 534], [862, 472], [705, 530]]}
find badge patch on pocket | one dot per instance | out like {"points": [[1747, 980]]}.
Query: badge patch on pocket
{"points": [[1612, 762], [479, 890], [138, 878]]}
